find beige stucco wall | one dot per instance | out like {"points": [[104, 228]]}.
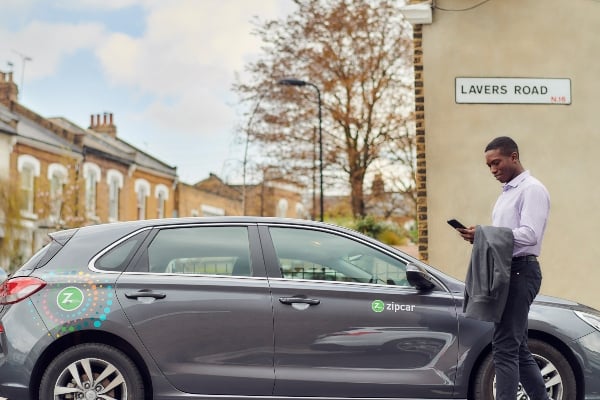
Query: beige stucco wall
{"points": [[560, 144]]}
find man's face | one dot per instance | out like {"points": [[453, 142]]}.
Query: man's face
{"points": [[503, 167]]}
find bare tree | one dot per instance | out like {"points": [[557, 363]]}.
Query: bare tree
{"points": [[358, 52], [402, 153], [10, 222]]}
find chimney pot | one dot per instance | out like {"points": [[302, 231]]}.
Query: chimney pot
{"points": [[103, 123], [9, 92]]}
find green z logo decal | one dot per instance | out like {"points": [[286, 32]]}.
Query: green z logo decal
{"points": [[69, 299]]}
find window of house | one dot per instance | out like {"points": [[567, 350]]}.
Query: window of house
{"points": [[142, 189], [29, 168], [91, 173], [90, 194], [160, 207], [300, 212], [211, 211], [57, 175], [316, 255], [56, 197], [115, 183], [113, 199], [162, 194], [142, 196], [27, 175], [282, 207], [201, 250]]}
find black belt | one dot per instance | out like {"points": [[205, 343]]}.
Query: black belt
{"points": [[529, 257]]}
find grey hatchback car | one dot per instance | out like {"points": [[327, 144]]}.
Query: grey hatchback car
{"points": [[260, 308]]}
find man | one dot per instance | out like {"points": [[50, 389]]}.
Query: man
{"points": [[523, 206]]}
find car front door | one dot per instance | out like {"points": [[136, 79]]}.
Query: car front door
{"points": [[348, 324], [199, 300]]}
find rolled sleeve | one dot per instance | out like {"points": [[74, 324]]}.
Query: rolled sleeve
{"points": [[534, 214]]}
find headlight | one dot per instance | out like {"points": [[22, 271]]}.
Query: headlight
{"points": [[591, 319]]}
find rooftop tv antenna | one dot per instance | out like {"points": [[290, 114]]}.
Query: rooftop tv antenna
{"points": [[24, 59]]}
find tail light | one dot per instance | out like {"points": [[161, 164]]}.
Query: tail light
{"points": [[16, 289]]}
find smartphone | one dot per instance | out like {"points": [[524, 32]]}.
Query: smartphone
{"points": [[455, 224]]}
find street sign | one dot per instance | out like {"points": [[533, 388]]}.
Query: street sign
{"points": [[512, 90]]}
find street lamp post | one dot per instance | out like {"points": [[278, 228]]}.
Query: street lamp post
{"points": [[298, 82]]}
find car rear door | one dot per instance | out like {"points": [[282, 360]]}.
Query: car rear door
{"points": [[199, 300], [348, 324]]}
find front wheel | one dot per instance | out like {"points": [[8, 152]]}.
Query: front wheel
{"points": [[556, 372], [91, 371]]}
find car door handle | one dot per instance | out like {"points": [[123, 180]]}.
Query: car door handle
{"points": [[145, 293], [302, 300]]}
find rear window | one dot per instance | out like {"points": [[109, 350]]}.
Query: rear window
{"points": [[46, 253], [201, 250], [42, 257], [30, 264]]}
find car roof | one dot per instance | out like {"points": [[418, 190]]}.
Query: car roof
{"points": [[116, 230], [138, 224]]}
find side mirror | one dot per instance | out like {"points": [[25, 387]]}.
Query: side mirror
{"points": [[419, 278], [3, 275]]}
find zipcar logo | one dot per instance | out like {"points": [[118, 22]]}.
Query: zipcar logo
{"points": [[379, 306], [69, 299]]}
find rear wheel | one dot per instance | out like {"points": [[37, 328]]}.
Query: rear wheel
{"points": [[91, 371], [556, 372]]}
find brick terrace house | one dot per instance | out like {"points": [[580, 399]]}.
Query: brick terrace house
{"points": [[210, 197], [278, 197], [66, 176], [56, 175], [213, 197]]}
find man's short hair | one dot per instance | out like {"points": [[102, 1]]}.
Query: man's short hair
{"points": [[506, 145]]}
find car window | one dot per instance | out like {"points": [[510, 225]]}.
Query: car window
{"points": [[117, 258], [201, 250], [315, 255], [34, 260], [46, 253]]}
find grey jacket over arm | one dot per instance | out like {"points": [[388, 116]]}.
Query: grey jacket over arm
{"points": [[488, 276]]}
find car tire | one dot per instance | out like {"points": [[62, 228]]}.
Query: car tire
{"points": [[558, 374], [114, 374]]}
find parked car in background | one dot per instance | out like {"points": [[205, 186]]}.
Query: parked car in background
{"points": [[268, 308]]}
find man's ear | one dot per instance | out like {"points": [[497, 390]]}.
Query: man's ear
{"points": [[514, 156]]}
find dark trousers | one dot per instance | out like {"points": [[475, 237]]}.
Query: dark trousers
{"points": [[512, 359]]}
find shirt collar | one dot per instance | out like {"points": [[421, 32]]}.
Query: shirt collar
{"points": [[516, 181]]}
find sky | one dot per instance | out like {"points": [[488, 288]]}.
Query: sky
{"points": [[163, 68]]}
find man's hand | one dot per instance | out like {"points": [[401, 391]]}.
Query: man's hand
{"points": [[468, 234]]}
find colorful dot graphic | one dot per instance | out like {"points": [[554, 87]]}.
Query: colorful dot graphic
{"points": [[72, 301]]}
